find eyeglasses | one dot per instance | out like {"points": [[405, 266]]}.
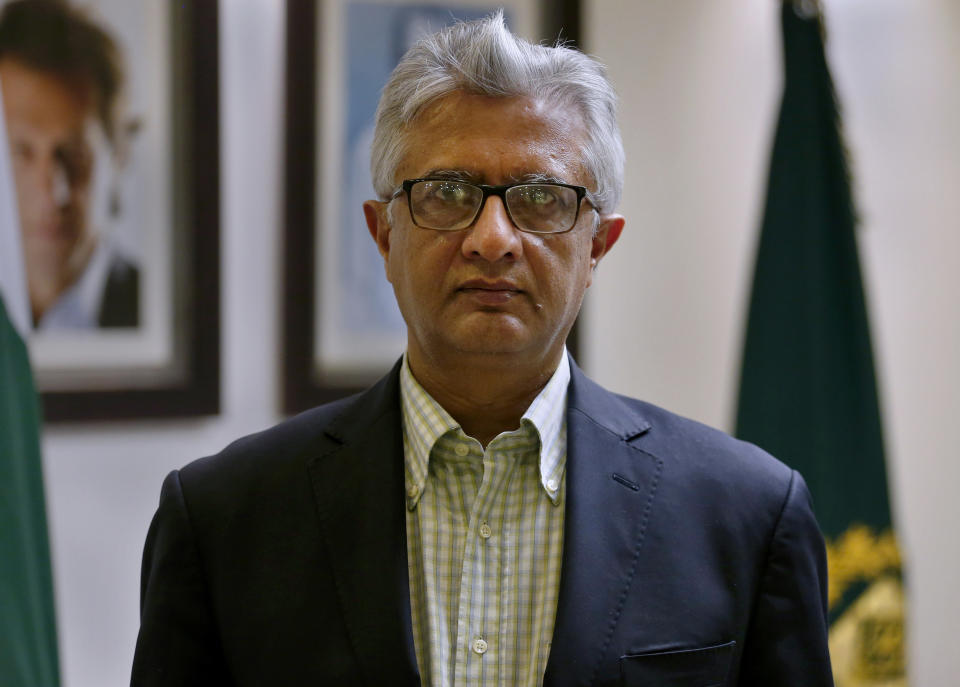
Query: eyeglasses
{"points": [[448, 205]]}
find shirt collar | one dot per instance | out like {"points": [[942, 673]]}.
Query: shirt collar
{"points": [[79, 306], [425, 421], [548, 414]]}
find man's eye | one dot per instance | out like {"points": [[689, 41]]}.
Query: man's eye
{"points": [[539, 196], [22, 151], [450, 193]]}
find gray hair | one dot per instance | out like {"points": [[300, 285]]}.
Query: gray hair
{"points": [[482, 57]]}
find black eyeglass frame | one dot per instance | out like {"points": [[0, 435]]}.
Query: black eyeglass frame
{"points": [[501, 192]]}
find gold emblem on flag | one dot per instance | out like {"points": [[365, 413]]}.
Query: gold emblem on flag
{"points": [[867, 644]]}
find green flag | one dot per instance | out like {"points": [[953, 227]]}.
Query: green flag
{"points": [[808, 392], [28, 636]]}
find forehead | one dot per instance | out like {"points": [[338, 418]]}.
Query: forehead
{"points": [[42, 99], [495, 139]]}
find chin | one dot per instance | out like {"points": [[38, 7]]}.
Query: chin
{"points": [[490, 343], [493, 334], [47, 259]]}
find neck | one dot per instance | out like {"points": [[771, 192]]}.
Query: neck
{"points": [[485, 397], [47, 280]]}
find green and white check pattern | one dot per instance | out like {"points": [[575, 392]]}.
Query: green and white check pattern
{"points": [[484, 539]]}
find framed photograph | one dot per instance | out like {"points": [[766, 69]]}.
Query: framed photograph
{"points": [[112, 114], [342, 328]]}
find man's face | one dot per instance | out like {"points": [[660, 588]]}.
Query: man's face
{"points": [[491, 289], [49, 122]]}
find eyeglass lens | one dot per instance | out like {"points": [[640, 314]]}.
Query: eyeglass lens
{"points": [[452, 205]]}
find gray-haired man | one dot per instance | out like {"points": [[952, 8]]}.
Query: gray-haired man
{"points": [[485, 514]]}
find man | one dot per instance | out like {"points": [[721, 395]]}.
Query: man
{"points": [[61, 78], [485, 514]]}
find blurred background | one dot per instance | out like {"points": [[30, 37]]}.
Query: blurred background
{"points": [[699, 84]]}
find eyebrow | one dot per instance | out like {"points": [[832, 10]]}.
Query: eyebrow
{"points": [[454, 175], [475, 178], [539, 178]]}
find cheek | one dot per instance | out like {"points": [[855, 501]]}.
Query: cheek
{"points": [[27, 180], [567, 269], [397, 255], [561, 288], [394, 268], [414, 264], [426, 257], [80, 192]]}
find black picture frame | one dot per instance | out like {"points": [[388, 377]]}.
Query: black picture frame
{"points": [[191, 384], [302, 386]]}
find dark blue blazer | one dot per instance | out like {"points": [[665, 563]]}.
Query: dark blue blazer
{"points": [[690, 559]]}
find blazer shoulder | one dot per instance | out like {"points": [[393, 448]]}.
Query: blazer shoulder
{"points": [[683, 444], [716, 455], [302, 433], [724, 485], [699, 460], [709, 446], [311, 432]]}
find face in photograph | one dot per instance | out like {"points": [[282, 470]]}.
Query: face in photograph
{"points": [[63, 76], [51, 127]]}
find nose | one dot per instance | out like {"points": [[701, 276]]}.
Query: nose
{"points": [[60, 186], [492, 237], [46, 184]]}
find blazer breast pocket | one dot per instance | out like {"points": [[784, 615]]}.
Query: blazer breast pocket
{"points": [[706, 667]]}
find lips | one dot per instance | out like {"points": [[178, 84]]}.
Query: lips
{"points": [[487, 292], [485, 285], [53, 231]]}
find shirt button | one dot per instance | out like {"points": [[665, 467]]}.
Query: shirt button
{"points": [[485, 531], [461, 450], [480, 646], [413, 490], [552, 484]]}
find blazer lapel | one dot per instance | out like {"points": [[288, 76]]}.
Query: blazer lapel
{"points": [[610, 490], [358, 481]]}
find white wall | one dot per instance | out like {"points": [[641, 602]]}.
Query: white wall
{"points": [[699, 86], [699, 83]]}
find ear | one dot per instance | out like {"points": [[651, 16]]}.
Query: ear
{"points": [[607, 234], [378, 224]]}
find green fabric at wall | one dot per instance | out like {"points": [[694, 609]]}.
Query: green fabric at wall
{"points": [[28, 637]]}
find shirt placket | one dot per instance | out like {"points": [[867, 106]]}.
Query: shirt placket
{"points": [[478, 631]]}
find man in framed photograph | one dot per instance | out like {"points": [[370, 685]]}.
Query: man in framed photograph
{"points": [[62, 81], [486, 514]]}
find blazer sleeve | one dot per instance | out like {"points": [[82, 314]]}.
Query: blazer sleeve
{"points": [[178, 642], [786, 644]]}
